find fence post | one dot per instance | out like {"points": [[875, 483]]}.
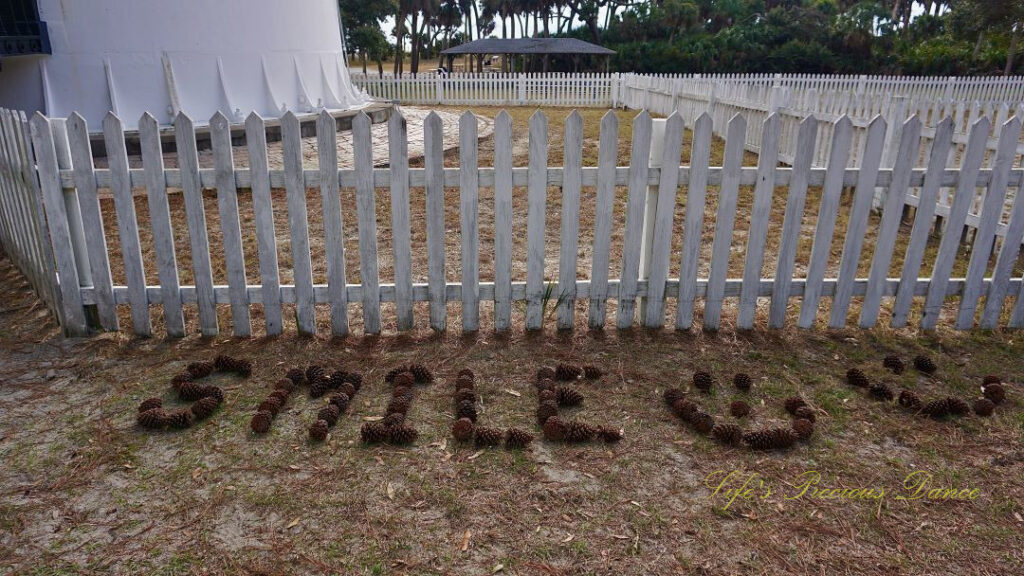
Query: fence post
{"points": [[897, 115], [651, 204], [58, 128], [521, 89], [439, 88], [615, 89]]}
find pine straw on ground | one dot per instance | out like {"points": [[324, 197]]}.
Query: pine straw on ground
{"points": [[85, 491]]}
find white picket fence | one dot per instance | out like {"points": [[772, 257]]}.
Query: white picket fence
{"points": [[652, 194], [485, 89]]}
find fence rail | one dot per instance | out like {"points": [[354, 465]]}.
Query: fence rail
{"points": [[653, 184]]}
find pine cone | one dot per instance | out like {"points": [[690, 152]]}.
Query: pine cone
{"points": [[319, 386], [402, 392], [984, 407], [995, 392], [180, 380], [190, 391], [466, 410], [150, 403], [881, 391], [673, 394], [260, 423], [609, 435], [546, 373], [805, 413], [568, 372], [936, 408], [703, 381], [314, 373], [991, 379], [341, 400], [463, 429], [893, 364], [394, 419], [546, 384], [730, 434], [577, 432], [200, 369], [547, 396], [318, 431], [909, 401], [402, 435], [214, 392], [180, 419], [684, 409], [464, 383], [281, 395], [855, 377], [517, 438], [592, 372], [554, 429], [794, 402], [204, 408], [297, 376], [241, 367], [771, 439], [486, 436], [466, 373], [404, 380], [958, 407], [223, 363], [154, 418], [398, 405], [355, 379], [739, 409], [925, 364], [702, 421], [390, 376], [804, 428], [568, 397], [465, 395], [269, 405], [421, 373], [373, 433], [329, 414], [337, 378], [742, 382], [285, 384], [546, 410], [347, 389]]}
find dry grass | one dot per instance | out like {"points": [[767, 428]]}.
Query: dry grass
{"points": [[85, 491]]}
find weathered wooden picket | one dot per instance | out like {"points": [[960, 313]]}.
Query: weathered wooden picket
{"points": [[652, 190]]}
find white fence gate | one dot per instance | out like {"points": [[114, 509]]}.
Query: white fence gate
{"points": [[638, 281]]}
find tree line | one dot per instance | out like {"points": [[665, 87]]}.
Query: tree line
{"points": [[913, 37]]}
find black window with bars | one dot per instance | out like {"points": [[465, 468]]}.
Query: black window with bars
{"points": [[21, 30]]}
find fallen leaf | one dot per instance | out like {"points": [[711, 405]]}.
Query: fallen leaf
{"points": [[465, 540], [635, 503], [391, 491], [568, 539], [1017, 516], [197, 473], [476, 455], [498, 568], [620, 536], [372, 418], [512, 392], [293, 523], [447, 457], [129, 466]]}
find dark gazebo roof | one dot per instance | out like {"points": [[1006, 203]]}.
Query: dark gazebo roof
{"points": [[528, 46]]}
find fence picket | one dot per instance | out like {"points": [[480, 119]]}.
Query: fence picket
{"points": [[537, 191], [572, 182], [888, 228], [502, 221], [468, 226], [401, 228], [991, 211], [367, 216], [227, 206], [867, 179], [700, 157], [661, 249], [1005, 262], [756, 234], [334, 240], [727, 197], [92, 221], [263, 218], [603, 205], [922, 222], [127, 224], [295, 192], [632, 242], [195, 216], [433, 165], [793, 220]]}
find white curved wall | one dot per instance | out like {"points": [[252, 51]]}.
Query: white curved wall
{"points": [[199, 56]]}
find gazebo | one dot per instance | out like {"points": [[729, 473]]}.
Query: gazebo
{"points": [[532, 47]]}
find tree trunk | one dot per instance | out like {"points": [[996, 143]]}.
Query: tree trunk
{"points": [[1014, 36], [414, 57], [380, 68], [362, 58], [399, 27], [977, 45]]}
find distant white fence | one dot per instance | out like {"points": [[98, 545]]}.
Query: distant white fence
{"points": [[484, 89], [651, 186]]}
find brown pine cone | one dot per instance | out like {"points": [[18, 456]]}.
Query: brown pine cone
{"points": [[180, 419], [329, 414], [591, 372], [936, 409], [154, 418], [280, 395], [702, 422], [554, 429], [315, 372], [577, 432], [742, 382], [547, 396], [957, 407], [213, 392], [466, 410], [318, 431], [466, 373], [398, 405], [516, 438], [204, 408], [684, 409], [404, 379], [739, 409], [297, 376], [180, 380], [546, 410], [546, 373], [703, 381], [568, 397], [893, 364], [200, 369], [805, 413], [318, 387], [568, 372], [794, 402], [925, 364], [285, 384], [150, 403], [390, 376], [402, 435], [856, 377], [486, 436], [341, 400], [347, 389], [190, 391], [465, 395], [463, 429], [991, 379], [355, 379], [730, 434], [464, 383], [422, 374], [880, 391], [260, 423], [402, 392], [673, 394], [373, 433], [804, 428], [909, 401], [269, 405], [393, 419], [995, 392], [984, 407], [609, 435], [546, 384]]}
